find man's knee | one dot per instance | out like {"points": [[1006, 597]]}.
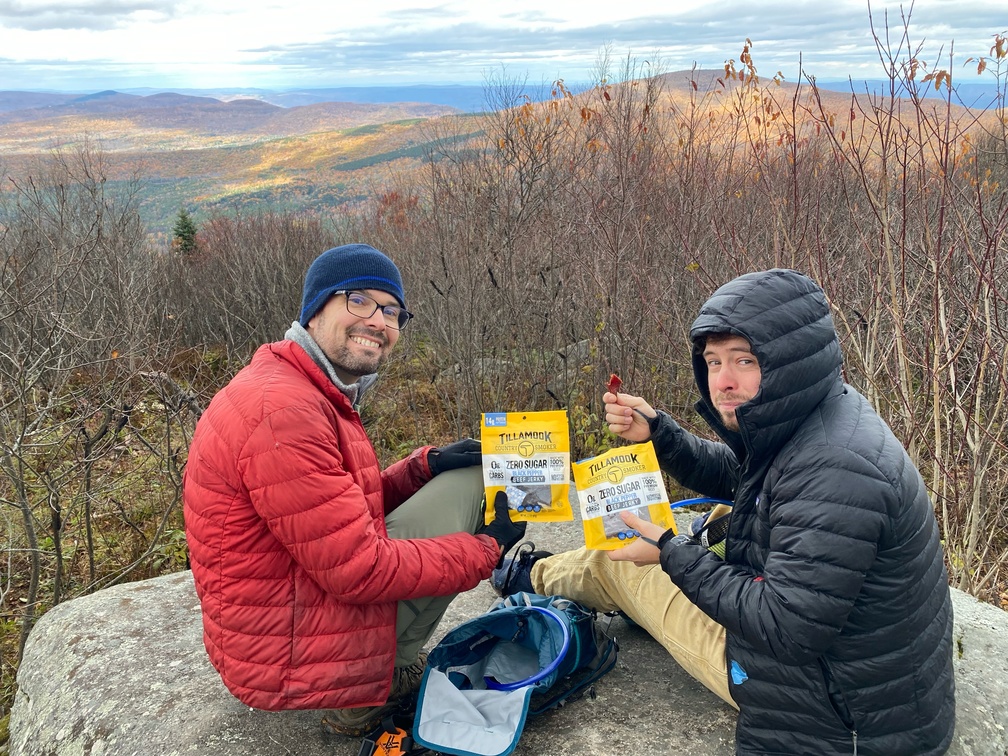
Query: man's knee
{"points": [[449, 503]]}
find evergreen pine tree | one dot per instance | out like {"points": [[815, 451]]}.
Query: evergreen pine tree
{"points": [[184, 233]]}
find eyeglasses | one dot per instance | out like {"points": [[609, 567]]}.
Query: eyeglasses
{"points": [[364, 306]]}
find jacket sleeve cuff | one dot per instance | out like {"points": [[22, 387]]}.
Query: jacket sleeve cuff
{"points": [[667, 536], [423, 455]]}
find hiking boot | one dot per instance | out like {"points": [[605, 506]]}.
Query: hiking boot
{"points": [[406, 680], [360, 721], [515, 572]]}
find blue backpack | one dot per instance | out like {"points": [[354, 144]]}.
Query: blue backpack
{"points": [[525, 655]]}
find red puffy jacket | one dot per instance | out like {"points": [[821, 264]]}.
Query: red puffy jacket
{"points": [[284, 513]]}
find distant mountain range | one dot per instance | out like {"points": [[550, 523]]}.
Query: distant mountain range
{"points": [[207, 113], [465, 98], [461, 98]]}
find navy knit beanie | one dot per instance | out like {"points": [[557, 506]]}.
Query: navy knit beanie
{"points": [[350, 267]]}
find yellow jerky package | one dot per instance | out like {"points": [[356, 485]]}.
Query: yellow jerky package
{"points": [[527, 455], [624, 478]]}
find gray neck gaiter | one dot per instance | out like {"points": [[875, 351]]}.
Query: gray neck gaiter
{"points": [[355, 391]]}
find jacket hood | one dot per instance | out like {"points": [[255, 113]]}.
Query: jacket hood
{"points": [[785, 318]]}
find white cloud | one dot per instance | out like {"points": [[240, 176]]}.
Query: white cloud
{"points": [[119, 43]]}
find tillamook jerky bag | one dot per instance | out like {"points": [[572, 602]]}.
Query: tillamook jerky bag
{"points": [[527, 455], [625, 478]]}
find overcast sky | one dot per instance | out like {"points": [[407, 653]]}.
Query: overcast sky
{"points": [[90, 45]]}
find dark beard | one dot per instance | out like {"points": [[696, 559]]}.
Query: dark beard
{"points": [[351, 364], [730, 421], [346, 361]]}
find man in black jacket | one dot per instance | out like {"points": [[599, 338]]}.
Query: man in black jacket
{"points": [[828, 623]]}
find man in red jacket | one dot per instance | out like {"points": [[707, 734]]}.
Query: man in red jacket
{"points": [[320, 575]]}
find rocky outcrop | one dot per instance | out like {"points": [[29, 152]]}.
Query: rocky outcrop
{"points": [[123, 672]]}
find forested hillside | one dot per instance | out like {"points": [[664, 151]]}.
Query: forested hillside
{"points": [[234, 156]]}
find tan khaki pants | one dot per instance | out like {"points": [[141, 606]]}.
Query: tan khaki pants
{"points": [[451, 502], [649, 598]]}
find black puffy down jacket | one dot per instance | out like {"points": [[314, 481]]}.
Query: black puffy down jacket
{"points": [[833, 591]]}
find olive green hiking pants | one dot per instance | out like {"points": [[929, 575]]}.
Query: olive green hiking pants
{"points": [[451, 502]]}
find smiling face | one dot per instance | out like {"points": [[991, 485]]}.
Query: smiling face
{"points": [[733, 374], [355, 346]]}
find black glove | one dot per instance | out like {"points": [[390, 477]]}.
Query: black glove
{"points": [[501, 529], [464, 453]]}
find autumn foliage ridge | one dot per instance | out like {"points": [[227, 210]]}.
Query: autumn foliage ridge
{"points": [[545, 245]]}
